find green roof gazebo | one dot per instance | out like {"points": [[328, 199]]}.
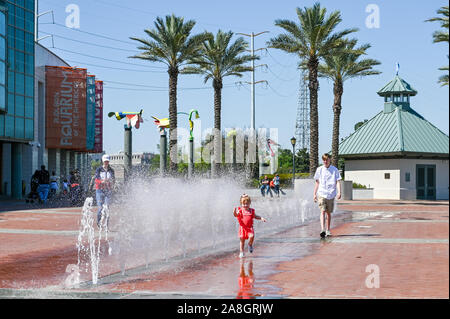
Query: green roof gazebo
{"points": [[398, 153]]}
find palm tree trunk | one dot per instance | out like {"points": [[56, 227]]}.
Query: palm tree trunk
{"points": [[313, 64], [217, 84], [173, 80], [338, 90]]}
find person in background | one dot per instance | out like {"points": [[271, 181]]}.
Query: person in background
{"points": [[265, 187], [34, 184], [276, 184], [104, 184], [65, 186], [44, 180], [76, 190], [54, 184]]}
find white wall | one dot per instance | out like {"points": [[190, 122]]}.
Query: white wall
{"points": [[371, 174]]}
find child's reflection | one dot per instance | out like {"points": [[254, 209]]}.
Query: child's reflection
{"points": [[246, 281]]}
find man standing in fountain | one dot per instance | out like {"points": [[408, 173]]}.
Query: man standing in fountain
{"points": [[104, 183], [326, 177]]}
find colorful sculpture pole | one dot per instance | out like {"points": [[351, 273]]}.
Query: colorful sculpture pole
{"points": [[162, 152], [128, 151], [164, 123], [191, 123], [133, 120], [191, 140]]}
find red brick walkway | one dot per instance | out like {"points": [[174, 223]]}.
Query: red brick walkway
{"points": [[407, 242], [408, 247]]}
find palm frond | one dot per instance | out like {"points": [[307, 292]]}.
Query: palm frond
{"points": [[169, 42], [443, 79], [313, 35], [345, 63], [441, 36], [218, 57]]}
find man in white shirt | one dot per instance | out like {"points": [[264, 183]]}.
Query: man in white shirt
{"points": [[327, 177]]}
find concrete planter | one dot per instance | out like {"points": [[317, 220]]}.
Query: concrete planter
{"points": [[362, 193]]}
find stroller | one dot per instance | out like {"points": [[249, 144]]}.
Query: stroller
{"points": [[76, 190], [34, 184], [76, 194]]}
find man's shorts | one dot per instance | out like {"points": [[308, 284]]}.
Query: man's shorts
{"points": [[326, 205]]}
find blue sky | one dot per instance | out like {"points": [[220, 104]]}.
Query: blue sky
{"points": [[402, 37]]}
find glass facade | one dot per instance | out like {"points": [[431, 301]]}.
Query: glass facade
{"points": [[2, 58], [17, 69]]}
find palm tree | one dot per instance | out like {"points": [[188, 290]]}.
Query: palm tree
{"points": [[219, 58], [441, 36], [171, 43], [311, 39], [343, 64]]}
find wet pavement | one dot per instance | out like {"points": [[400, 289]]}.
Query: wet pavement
{"points": [[379, 249]]}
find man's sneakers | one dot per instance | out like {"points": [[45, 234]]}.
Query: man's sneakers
{"points": [[328, 233], [241, 254]]}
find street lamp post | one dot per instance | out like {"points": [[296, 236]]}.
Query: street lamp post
{"points": [[293, 141]]}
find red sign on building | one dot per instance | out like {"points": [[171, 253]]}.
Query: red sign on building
{"points": [[65, 108]]}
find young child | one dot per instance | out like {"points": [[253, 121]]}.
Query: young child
{"points": [[245, 216], [65, 187]]}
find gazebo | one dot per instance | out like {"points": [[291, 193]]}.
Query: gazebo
{"points": [[398, 153]]}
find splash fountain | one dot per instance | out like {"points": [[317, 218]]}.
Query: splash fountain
{"points": [[167, 219]]}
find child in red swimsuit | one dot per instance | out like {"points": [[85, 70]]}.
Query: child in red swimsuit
{"points": [[245, 216]]}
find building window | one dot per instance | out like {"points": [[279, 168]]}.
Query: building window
{"points": [[3, 69], [407, 177], [387, 176]]}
